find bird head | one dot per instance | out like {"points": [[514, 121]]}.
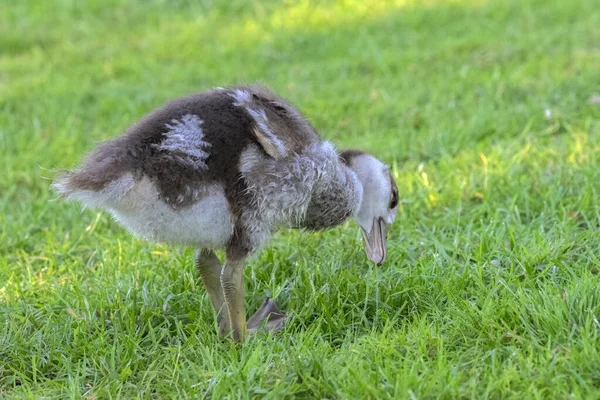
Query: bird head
{"points": [[379, 204]]}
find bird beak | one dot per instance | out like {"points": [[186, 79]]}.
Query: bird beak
{"points": [[375, 241]]}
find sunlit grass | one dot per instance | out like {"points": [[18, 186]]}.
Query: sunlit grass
{"points": [[481, 107]]}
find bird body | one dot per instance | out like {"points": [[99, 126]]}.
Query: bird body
{"points": [[226, 169], [191, 171]]}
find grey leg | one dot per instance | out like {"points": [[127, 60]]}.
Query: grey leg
{"points": [[232, 282], [209, 268]]}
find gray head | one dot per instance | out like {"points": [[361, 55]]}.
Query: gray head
{"points": [[379, 204]]}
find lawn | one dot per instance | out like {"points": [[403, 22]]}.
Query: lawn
{"points": [[484, 109]]}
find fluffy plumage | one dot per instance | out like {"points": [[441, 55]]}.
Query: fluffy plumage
{"points": [[226, 169]]}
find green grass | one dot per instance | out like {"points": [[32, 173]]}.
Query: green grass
{"points": [[492, 287]]}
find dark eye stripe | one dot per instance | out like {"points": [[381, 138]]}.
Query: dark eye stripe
{"points": [[394, 199]]}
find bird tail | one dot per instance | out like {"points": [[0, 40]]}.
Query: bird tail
{"points": [[102, 180]]}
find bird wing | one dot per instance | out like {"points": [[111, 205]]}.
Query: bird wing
{"points": [[279, 127]]}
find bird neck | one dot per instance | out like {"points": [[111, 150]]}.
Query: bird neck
{"points": [[337, 195]]}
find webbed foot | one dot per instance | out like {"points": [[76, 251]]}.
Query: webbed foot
{"points": [[273, 318]]}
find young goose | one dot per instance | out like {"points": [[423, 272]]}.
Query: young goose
{"points": [[226, 169]]}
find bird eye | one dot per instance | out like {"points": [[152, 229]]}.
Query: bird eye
{"points": [[394, 200]]}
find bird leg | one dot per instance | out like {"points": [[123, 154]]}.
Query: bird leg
{"points": [[209, 268], [232, 283]]}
